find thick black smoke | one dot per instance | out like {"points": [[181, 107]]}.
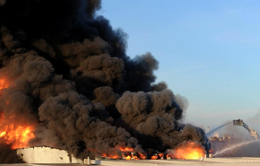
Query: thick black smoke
{"points": [[71, 78]]}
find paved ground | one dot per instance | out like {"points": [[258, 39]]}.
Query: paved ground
{"points": [[205, 162], [26, 164], [242, 161]]}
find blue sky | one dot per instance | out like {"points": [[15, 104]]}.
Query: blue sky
{"points": [[208, 51]]}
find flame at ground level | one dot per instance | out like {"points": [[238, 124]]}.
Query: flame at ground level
{"points": [[15, 133], [126, 153], [188, 150], [13, 129]]}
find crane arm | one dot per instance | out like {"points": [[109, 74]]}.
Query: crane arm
{"points": [[252, 132], [246, 127]]}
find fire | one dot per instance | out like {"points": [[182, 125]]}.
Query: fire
{"points": [[3, 134], [111, 156], [4, 84], [154, 157], [142, 156], [126, 149], [128, 157], [16, 134], [190, 150], [161, 155], [127, 154], [167, 156], [12, 129]]}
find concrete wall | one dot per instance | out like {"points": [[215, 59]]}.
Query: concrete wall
{"points": [[43, 154]]}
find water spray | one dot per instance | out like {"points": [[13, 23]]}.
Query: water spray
{"points": [[212, 131], [234, 147]]}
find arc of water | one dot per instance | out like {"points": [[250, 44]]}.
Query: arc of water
{"points": [[212, 131], [235, 146]]}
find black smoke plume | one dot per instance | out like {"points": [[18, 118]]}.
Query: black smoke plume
{"points": [[71, 78]]}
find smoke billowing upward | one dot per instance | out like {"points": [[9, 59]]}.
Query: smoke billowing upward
{"points": [[70, 78]]}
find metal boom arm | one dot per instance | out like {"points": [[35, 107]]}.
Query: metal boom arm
{"points": [[252, 132]]}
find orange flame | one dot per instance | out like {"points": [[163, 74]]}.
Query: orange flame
{"points": [[126, 149], [11, 130], [127, 154], [161, 155], [111, 156], [16, 134], [154, 157], [190, 150], [135, 157], [142, 156], [128, 157], [4, 84]]}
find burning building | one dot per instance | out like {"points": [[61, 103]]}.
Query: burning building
{"points": [[43, 154], [66, 82]]}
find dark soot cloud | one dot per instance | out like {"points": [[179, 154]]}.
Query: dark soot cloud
{"points": [[70, 75]]}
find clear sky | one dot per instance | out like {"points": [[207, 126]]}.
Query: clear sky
{"points": [[208, 51]]}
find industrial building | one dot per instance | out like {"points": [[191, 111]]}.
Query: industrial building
{"points": [[45, 154]]}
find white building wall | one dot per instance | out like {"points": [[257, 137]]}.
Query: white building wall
{"points": [[43, 154]]}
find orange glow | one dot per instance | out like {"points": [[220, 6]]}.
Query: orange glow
{"points": [[111, 156], [126, 149], [127, 154], [154, 157], [3, 134], [160, 155], [142, 156], [12, 129], [16, 134], [190, 150], [4, 84], [135, 157], [128, 157]]}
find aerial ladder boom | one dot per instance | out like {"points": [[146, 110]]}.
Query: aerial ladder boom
{"points": [[252, 132]]}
